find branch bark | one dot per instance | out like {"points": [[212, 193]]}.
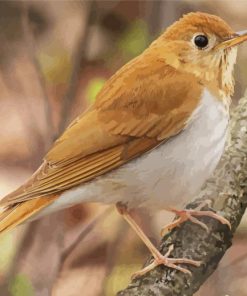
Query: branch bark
{"points": [[227, 189]]}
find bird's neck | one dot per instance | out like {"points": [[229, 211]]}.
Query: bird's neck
{"points": [[215, 74], [222, 82]]}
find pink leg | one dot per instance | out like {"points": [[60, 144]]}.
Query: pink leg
{"points": [[158, 257], [185, 215]]}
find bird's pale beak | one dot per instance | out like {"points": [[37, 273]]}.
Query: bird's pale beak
{"points": [[238, 38]]}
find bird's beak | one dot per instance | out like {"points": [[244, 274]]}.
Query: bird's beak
{"points": [[236, 39]]}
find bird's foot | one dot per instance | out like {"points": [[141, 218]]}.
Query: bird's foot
{"points": [[185, 215], [159, 259]]}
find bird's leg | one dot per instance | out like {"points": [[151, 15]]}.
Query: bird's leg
{"points": [[159, 259], [185, 215]]}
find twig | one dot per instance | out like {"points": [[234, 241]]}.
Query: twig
{"points": [[228, 191], [28, 38], [34, 255], [79, 56], [154, 16], [69, 250]]}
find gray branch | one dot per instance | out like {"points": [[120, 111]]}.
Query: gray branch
{"points": [[227, 189]]}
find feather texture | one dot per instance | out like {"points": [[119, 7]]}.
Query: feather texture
{"points": [[13, 216], [122, 125], [148, 101]]}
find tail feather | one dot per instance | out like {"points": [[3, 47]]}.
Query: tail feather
{"points": [[20, 212]]}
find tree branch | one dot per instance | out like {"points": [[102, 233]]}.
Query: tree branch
{"points": [[228, 191]]}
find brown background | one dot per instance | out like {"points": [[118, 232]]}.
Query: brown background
{"points": [[54, 57]]}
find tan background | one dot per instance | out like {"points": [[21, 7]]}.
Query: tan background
{"points": [[54, 57]]}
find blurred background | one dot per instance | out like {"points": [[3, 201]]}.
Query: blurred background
{"points": [[54, 58]]}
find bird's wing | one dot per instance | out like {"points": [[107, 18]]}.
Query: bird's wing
{"points": [[138, 108], [20, 212]]}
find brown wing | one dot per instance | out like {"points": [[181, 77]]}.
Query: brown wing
{"points": [[144, 103], [20, 212]]}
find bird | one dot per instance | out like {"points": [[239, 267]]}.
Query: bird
{"points": [[151, 139]]}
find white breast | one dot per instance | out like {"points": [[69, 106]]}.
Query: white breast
{"points": [[169, 175]]}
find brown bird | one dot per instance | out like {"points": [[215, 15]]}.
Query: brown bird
{"points": [[154, 135]]}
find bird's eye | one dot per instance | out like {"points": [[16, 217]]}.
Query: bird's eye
{"points": [[201, 41]]}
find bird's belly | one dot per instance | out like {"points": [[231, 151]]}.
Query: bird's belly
{"points": [[169, 175]]}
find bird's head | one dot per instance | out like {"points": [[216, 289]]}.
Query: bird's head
{"points": [[203, 45]]}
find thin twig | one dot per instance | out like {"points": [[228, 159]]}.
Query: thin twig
{"points": [[79, 57], [69, 250], [29, 41]]}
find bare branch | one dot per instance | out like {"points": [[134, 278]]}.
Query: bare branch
{"points": [[67, 252], [34, 255], [79, 57], [228, 191], [28, 38]]}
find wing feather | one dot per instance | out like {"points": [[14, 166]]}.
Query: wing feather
{"points": [[18, 213], [124, 123]]}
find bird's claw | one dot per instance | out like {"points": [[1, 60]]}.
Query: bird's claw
{"points": [[188, 214], [169, 262]]}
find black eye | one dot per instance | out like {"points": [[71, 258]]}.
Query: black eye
{"points": [[201, 41]]}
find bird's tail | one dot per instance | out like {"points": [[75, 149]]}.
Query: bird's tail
{"points": [[12, 216]]}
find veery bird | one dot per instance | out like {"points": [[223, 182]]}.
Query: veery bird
{"points": [[153, 136]]}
